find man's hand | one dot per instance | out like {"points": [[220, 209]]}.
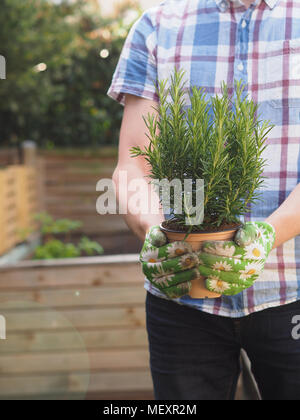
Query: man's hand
{"points": [[170, 267], [232, 266]]}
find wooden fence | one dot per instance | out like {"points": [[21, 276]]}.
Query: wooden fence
{"points": [[75, 329], [66, 188], [70, 181], [18, 203], [9, 157]]}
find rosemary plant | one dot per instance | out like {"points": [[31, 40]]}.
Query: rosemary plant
{"points": [[217, 139]]}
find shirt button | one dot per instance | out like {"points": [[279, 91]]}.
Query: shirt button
{"points": [[223, 5], [240, 67], [244, 24]]}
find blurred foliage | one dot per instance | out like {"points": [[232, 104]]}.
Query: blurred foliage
{"points": [[89, 247], [63, 103], [53, 248], [49, 226]]}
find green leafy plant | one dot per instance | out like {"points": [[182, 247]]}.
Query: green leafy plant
{"points": [[90, 247], [53, 248], [50, 227], [217, 139]]}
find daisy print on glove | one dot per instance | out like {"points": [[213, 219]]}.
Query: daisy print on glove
{"points": [[232, 266], [222, 266], [216, 284], [221, 248], [170, 267], [251, 269]]}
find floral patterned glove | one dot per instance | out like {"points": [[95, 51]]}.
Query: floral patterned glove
{"points": [[170, 267], [231, 267]]}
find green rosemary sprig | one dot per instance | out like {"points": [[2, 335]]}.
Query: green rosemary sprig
{"points": [[218, 139]]}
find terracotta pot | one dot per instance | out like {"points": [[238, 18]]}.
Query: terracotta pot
{"points": [[198, 290]]}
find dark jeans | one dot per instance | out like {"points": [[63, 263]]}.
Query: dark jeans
{"points": [[195, 355]]}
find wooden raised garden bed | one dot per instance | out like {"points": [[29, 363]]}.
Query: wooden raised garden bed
{"points": [[75, 329]]}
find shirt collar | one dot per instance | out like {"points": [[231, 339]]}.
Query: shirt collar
{"points": [[224, 4]]}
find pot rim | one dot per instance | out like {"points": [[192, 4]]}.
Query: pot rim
{"points": [[200, 233]]}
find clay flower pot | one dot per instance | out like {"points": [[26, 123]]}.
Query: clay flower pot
{"points": [[198, 290]]}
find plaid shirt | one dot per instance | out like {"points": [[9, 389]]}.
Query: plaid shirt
{"points": [[221, 40]]}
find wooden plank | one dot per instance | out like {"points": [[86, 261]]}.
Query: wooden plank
{"points": [[82, 153], [17, 204], [65, 157], [72, 176], [82, 168], [67, 384], [73, 276], [79, 361], [81, 206], [95, 163], [40, 190], [107, 222], [92, 222], [8, 209], [74, 262], [72, 189], [9, 156], [32, 342], [65, 160], [27, 204], [87, 191], [64, 298], [134, 395], [92, 229], [75, 177], [49, 320]]}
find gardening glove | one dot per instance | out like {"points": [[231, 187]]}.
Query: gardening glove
{"points": [[232, 266], [170, 267]]}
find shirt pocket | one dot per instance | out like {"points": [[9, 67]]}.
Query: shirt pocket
{"points": [[279, 73]]}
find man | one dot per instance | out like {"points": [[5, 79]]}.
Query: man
{"points": [[195, 343]]}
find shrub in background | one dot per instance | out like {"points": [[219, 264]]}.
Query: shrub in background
{"points": [[53, 248], [66, 103]]}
